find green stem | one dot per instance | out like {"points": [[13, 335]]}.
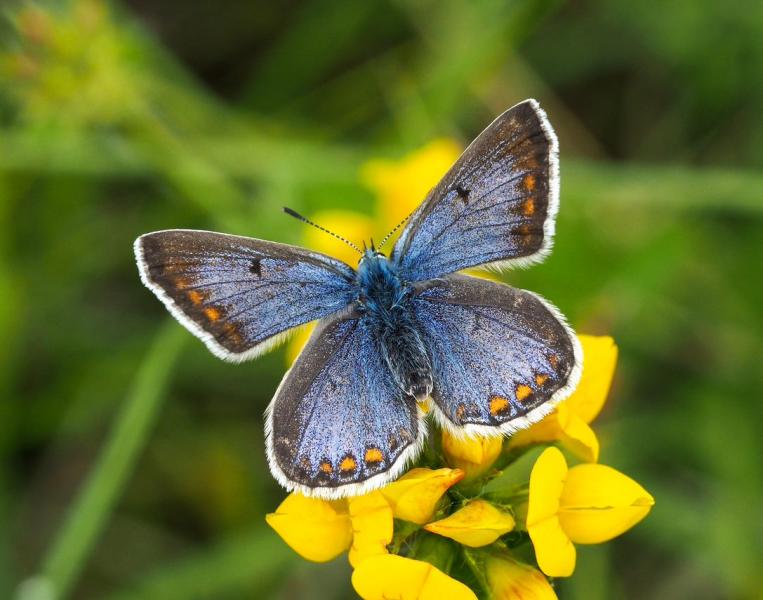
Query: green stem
{"points": [[84, 523], [477, 567]]}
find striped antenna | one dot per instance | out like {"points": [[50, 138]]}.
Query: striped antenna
{"points": [[296, 215], [398, 226]]}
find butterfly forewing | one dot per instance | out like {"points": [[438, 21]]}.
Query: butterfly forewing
{"points": [[496, 205], [501, 357], [338, 425], [239, 294]]}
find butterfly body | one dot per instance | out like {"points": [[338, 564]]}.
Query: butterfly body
{"points": [[486, 358], [381, 290], [384, 302]]}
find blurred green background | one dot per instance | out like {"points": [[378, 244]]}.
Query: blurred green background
{"points": [[121, 118]]}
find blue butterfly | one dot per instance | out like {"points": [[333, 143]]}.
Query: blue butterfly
{"points": [[489, 359]]}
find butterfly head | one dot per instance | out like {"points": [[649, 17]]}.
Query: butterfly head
{"points": [[370, 253], [378, 280], [373, 261]]}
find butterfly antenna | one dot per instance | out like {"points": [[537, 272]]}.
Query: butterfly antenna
{"points": [[398, 226], [296, 215]]}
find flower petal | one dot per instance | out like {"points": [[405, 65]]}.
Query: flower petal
{"points": [[390, 576], [599, 360], [318, 530], [371, 518], [479, 523], [509, 579], [473, 456], [414, 496], [577, 436], [599, 503], [547, 429], [553, 549], [298, 341], [546, 484]]}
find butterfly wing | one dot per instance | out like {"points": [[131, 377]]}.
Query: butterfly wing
{"points": [[497, 204], [238, 294], [338, 425], [502, 358]]}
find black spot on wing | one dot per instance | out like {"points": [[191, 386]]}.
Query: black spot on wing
{"points": [[463, 193]]}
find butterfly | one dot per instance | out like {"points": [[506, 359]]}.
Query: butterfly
{"points": [[399, 330]]}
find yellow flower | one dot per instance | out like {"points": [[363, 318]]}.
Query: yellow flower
{"points": [[318, 530], [479, 523], [402, 185], [568, 424], [587, 504], [371, 518], [508, 579], [415, 495], [473, 456], [390, 576]]}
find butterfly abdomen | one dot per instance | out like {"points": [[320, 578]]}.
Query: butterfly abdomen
{"points": [[405, 355], [385, 301]]}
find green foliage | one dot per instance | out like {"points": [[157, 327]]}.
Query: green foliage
{"points": [[132, 462]]}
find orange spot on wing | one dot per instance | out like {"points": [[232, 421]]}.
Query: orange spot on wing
{"points": [[326, 467], [498, 404], [231, 334], [348, 464], [523, 392], [196, 297], [212, 313], [374, 455], [540, 379], [460, 411], [528, 208], [181, 283], [529, 182], [553, 360]]}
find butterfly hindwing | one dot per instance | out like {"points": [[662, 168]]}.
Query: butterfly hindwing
{"points": [[238, 294], [501, 357], [496, 205], [338, 425]]}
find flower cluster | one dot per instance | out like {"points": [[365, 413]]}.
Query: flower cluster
{"points": [[481, 517]]}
